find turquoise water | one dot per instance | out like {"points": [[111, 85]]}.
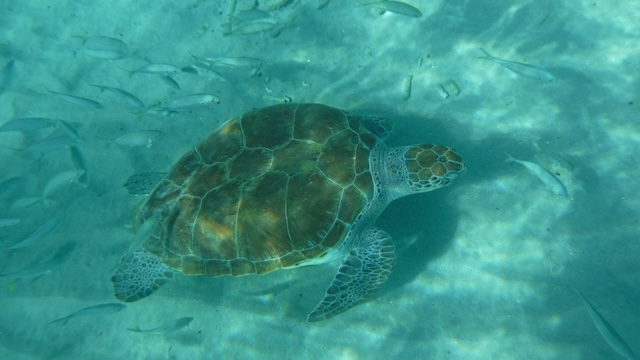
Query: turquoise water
{"points": [[486, 267]]}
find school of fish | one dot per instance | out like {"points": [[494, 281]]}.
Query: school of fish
{"points": [[54, 138]]}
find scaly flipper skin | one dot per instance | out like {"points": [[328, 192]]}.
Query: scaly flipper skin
{"points": [[362, 272], [140, 275]]}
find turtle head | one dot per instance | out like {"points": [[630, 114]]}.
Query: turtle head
{"points": [[421, 168]]}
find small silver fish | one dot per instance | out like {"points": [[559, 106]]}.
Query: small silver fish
{"points": [[104, 47], [96, 310], [5, 222], [41, 233], [104, 54], [12, 185], [60, 181], [165, 328], [129, 97], [396, 7], [8, 76], [247, 28], [52, 144], [322, 4], [606, 330], [205, 70], [230, 61], [139, 138], [171, 82], [143, 233], [27, 124], [24, 202], [103, 42], [46, 265], [251, 15], [78, 161], [547, 178], [193, 100], [156, 69], [77, 100], [237, 62], [69, 129], [530, 71]]}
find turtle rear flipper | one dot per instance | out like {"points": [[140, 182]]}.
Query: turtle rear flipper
{"points": [[362, 272], [139, 275]]}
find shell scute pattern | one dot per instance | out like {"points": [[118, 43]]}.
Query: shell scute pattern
{"points": [[222, 144], [270, 189]]}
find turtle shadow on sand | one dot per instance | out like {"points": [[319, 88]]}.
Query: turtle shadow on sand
{"points": [[423, 226]]}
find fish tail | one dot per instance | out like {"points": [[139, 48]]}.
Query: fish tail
{"points": [[64, 321], [486, 55], [578, 292], [139, 114], [131, 72], [193, 56], [226, 28], [10, 148], [109, 141], [509, 157], [100, 87]]}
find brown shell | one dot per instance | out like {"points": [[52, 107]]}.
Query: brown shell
{"points": [[270, 189]]}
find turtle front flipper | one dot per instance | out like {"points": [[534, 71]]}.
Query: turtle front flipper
{"points": [[362, 272], [139, 275]]}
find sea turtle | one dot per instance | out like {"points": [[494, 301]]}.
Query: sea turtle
{"points": [[280, 187]]}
